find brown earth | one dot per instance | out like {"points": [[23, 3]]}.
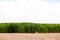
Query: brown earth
{"points": [[29, 36]]}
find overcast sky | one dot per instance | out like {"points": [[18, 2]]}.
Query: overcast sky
{"points": [[40, 11]]}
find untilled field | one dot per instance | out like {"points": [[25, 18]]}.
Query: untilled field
{"points": [[29, 36]]}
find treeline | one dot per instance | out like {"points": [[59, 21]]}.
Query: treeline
{"points": [[29, 28]]}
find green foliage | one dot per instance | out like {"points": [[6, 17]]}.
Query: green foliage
{"points": [[12, 28], [29, 28], [3, 28], [42, 29], [21, 28]]}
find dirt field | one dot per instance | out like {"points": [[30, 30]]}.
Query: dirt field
{"points": [[29, 36]]}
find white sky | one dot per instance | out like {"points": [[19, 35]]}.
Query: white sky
{"points": [[29, 11]]}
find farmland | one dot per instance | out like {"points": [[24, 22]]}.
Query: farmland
{"points": [[29, 31], [29, 36], [29, 28]]}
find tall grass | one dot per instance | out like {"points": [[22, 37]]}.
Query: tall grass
{"points": [[29, 28]]}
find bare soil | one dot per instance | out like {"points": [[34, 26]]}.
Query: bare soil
{"points": [[29, 36]]}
